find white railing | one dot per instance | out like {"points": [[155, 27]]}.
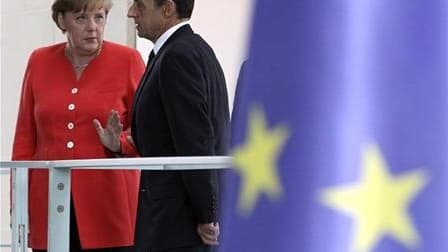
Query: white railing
{"points": [[59, 189]]}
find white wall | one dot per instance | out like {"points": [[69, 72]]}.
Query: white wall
{"points": [[27, 24], [225, 26]]}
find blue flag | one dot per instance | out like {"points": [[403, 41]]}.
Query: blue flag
{"points": [[340, 129]]}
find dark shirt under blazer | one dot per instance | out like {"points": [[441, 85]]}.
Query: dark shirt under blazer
{"points": [[180, 109]]}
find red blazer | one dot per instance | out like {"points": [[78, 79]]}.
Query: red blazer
{"points": [[55, 123]]}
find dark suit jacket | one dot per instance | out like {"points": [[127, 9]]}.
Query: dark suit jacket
{"points": [[180, 109]]}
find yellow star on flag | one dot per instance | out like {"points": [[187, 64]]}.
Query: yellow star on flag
{"points": [[379, 203], [256, 161]]}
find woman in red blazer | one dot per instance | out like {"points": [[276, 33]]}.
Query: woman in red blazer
{"points": [[68, 89]]}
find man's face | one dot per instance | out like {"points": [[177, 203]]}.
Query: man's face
{"points": [[148, 18]]}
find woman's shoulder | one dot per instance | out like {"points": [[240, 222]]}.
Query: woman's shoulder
{"points": [[118, 49], [47, 53], [50, 49]]}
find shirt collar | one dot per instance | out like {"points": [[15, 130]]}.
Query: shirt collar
{"points": [[166, 35]]}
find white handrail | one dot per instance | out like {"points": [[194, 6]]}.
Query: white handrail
{"points": [[59, 189]]}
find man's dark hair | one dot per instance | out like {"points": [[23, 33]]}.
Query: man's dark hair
{"points": [[184, 7]]}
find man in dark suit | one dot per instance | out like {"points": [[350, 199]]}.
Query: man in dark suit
{"points": [[180, 109]]}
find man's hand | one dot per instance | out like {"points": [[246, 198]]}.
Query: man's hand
{"points": [[110, 136], [209, 233]]}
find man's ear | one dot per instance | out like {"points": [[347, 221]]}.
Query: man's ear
{"points": [[61, 22], [169, 9]]}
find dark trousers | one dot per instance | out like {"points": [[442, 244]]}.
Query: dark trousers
{"points": [[75, 243]]}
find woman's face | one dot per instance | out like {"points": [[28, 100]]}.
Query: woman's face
{"points": [[84, 30]]}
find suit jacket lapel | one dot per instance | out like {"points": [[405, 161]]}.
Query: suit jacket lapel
{"points": [[186, 29], [144, 79]]}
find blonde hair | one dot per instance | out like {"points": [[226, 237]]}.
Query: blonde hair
{"points": [[63, 6]]}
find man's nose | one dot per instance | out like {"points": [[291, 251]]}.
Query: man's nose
{"points": [[131, 11]]}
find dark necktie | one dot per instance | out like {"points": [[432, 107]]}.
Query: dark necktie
{"points": [[151, 57]]}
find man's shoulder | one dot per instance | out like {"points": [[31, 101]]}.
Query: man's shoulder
{"points": [[188, 45]]}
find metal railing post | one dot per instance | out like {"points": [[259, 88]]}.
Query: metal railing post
{"points": [[59, 210], [19, 204]]}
